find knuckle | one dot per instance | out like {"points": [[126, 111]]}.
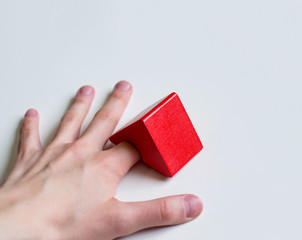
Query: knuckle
{"points": [[166, 212], [27, 129], [24, 153], [26, 133], [27, 152], [79, 100], [118, 95], [105, 115], [51, 166], [68, 118], [27, 121], [79, 146]]}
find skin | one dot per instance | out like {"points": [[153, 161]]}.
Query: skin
{"points": [[66, 190]]}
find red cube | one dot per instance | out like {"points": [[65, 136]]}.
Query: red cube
{"points": [[163, 134]]}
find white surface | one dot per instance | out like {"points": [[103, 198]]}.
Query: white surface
{"points": [[236, 66]]}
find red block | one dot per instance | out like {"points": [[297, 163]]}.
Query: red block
{"points": [[163, 134]]}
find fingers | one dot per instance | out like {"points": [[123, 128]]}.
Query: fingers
{"points": [[123, 157], [29, 138], [159, 212], [70, 125], [29, 145], [105, 120]]}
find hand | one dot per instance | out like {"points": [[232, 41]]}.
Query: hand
{"points": [[66, 190]]}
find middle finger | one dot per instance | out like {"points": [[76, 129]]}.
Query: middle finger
{"points": [[106, 119]]}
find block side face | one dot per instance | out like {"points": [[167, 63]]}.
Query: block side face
{"points": [[174, 135], [121, 134], [137, 135]]}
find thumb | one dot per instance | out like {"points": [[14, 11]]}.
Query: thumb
{"points": [[161, 212]]}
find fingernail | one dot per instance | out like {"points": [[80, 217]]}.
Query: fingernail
{"points": [[123, 86], [30, 113], [193, 206], [86, 90]]}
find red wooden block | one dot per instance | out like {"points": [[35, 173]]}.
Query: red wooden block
{"points": [[163, 134]]}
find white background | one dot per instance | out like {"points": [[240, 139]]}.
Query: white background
{"points": [[236, 66]]}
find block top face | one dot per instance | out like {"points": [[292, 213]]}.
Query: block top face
{"points": [[142, 115], [172, 132], [153, 109]]}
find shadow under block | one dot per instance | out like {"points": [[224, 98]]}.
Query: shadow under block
{"points": [[163, 134]]}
